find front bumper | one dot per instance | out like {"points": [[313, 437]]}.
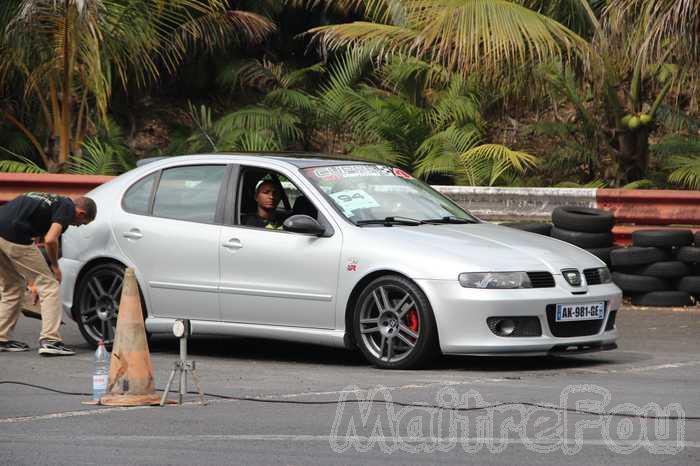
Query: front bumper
{"points": [[461, 314]]}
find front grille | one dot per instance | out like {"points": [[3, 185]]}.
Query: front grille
{"points": [[541, 279], [571, 329], [611, 321], [524, 326], [592, 276]]}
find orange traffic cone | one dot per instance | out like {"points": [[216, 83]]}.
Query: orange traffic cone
{"points": [[130, 370]]}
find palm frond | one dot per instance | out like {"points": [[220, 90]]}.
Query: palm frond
{"points": [[641, 184], [283, 124], [21, 165], [203, 137], [382, 152], [486, 163], [441, 152], [255, 141], [298, 101], [676, 144], [490, 34], [299, 77], [676, 120], [98, 159], [258, 74], [590, 184], [686, 171]]}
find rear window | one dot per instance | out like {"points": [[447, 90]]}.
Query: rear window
{"points": [[189, 193], [138, 196]]}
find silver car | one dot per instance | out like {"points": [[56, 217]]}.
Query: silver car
{"points": [[362, 256]]}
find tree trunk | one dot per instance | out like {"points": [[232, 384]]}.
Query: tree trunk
{"points": [[633, 154], [66, 90]]}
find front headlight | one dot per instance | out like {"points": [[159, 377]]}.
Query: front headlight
{"points": [[498, 280], [605, 275]]}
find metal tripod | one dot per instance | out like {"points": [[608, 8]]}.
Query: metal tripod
{"points": [[182, 367]]}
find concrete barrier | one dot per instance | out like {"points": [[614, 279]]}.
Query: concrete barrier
{"points": [[490, 203]]}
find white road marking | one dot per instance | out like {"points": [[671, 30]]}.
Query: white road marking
{"points": [[632, 370], [98, 411], [394, 388], [302, 438], [86, 412]]}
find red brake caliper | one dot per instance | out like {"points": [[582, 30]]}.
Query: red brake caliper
{"points": [[413, 320]]}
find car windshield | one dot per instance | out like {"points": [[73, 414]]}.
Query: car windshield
{"points": [[381, 195]]}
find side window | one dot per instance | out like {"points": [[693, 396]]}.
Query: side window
{"points": [[189, 193], [290, 190], [138, 196], [267, 198]]}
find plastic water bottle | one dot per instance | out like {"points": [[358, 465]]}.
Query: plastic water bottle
{"points": [[99, 378]]}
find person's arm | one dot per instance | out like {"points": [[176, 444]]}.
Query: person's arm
{"points": [[51, 245]]}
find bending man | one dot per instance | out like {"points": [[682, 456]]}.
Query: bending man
{"points": [[30, 216]]}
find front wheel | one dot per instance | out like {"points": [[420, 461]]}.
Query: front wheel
{"points": [[393, 324]]}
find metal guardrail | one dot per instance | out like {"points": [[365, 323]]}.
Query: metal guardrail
{"points": [[14, 184], [633, 208]]}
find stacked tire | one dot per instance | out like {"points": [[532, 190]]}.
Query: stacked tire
{"points": [[541, 228], [660, 268], [585, 227]]}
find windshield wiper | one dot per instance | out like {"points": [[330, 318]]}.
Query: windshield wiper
{"points": [[449, 219], [391, 221]]}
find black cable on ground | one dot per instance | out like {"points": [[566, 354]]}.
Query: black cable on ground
{"points": [[397, 403]]}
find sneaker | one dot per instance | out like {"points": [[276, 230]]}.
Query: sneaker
{"points": [[13, 346], [54, 348]]}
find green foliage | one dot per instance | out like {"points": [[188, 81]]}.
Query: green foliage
{"points": [[279, 126], [675, 120], [677, 144], [590, 184], [488, 163], [100, 157], [202, 139], [681, 156], [20, 165], [686, 171], [641, 184]]}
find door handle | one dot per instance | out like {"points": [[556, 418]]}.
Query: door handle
{"points": [[233, 244], [134, 233]]}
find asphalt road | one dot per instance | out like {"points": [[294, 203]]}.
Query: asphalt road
{"points": [[311, 405]]}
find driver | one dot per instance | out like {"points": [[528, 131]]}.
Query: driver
{"points": [[267, 196]]}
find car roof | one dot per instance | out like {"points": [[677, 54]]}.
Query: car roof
{"points": [[297, 159]]}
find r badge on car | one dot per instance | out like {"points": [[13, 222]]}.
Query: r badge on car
{"points": [[352, 265]]}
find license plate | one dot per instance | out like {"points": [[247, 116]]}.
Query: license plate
{"points": [[580, 311]]}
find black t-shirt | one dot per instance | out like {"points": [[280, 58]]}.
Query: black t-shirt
{"points": [[31, 215], [274, 224]]}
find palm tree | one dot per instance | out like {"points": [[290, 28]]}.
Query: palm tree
{"points": [[70, 53], [286, 114], [419, 116], [625, 49], [495, 36]]}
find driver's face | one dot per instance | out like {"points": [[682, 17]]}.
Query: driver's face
{"points": [[268, 196]]}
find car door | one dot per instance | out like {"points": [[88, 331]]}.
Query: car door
{"points": [[174, 241], [276, 277]]}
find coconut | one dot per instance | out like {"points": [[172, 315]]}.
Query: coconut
{"points": [[633, 123], [645, 118], [626, 120]]}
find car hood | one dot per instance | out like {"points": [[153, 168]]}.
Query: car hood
{"points": [[441, 251]]}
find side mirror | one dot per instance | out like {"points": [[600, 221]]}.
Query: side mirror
{"points": [[303, 224]]}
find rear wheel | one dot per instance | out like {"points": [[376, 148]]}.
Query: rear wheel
{"points": [[97, 302], [393, 324]]}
